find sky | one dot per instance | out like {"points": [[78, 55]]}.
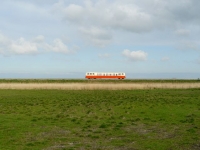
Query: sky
{"points": [[67, 38]]}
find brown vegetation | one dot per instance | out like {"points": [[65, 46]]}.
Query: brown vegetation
{"points": [[95, 86]]}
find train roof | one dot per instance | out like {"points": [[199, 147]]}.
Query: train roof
{"points": [[106, 72]]}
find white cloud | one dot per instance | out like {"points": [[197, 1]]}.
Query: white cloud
{"points": [[39, 39], [131, 15], [96, 36], [111, 18], [97, 20], [135, 55], [101, 21], [36, 46], [74, 12], [22, 46], [4, 41], [58, 46], [103, 14]]}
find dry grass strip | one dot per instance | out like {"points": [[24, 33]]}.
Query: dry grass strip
{"points": [[96, 86]]}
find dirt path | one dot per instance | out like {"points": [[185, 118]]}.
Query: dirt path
{"points": [[91, 86]]}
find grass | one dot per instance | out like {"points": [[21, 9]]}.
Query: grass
{"points": [[99, 86], [100, 119], [99, 81]]}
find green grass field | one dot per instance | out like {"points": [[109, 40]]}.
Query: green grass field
{"points": [[155, 119]]}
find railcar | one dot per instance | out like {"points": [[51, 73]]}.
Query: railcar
{"points": [[105, 75]]}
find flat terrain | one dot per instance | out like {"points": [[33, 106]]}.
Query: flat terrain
{"points": [[99, 81], [97, 86], [78, 84], [100, 119]]}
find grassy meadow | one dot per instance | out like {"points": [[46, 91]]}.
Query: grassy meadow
{"points": [[100, 119]]}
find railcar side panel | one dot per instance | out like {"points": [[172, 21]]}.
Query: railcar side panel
{"points": [[105, 77]]}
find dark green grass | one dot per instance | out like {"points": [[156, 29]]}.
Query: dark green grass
{"points": [[99, 119], [98, 81]]}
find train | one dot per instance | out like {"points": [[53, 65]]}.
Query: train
{"points": [[105, 75]]}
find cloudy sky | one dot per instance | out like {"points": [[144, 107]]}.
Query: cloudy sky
{"points": [[66, 38]]}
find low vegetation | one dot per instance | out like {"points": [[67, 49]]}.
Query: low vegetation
{"points": [[100, 119], [98, 81], [98, 86]]}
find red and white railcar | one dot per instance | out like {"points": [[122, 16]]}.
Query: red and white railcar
{"points": [[105, 75]]}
